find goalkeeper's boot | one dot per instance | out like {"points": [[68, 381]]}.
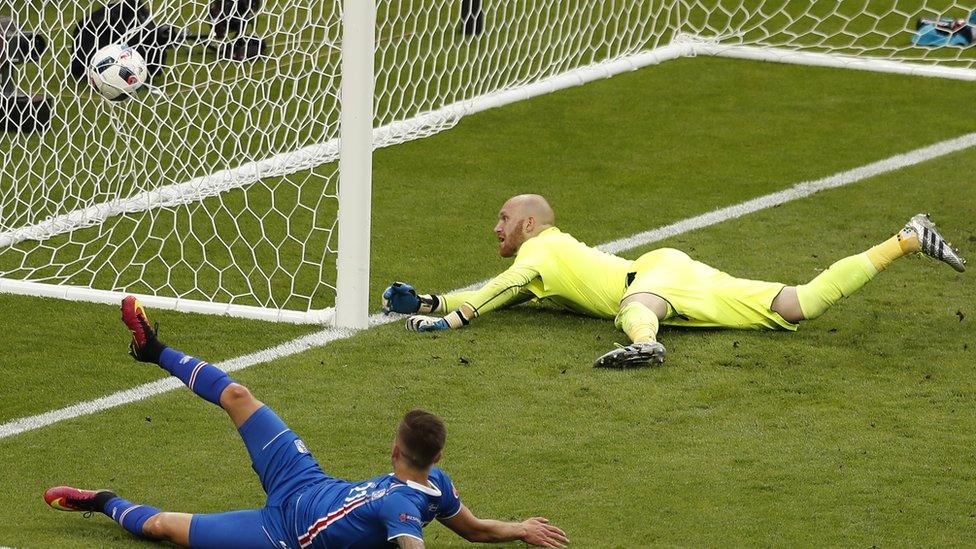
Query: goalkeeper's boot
{"points": [[633, 355], [144, 346], [66, 498], [932, 242]]}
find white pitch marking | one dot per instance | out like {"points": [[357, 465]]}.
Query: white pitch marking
{"points": [[324, 337], [800, 190]]}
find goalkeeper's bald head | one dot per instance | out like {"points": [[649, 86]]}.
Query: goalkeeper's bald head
{"points": [[521, 218]]}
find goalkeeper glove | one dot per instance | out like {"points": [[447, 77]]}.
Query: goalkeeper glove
{"points": [[421, 323], [456, 319], [400, 297]]}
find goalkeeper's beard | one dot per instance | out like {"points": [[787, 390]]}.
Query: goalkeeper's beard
{"points": [[512, 241]]}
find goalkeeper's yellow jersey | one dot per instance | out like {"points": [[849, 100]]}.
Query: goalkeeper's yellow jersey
{"points": [[555, 266]]}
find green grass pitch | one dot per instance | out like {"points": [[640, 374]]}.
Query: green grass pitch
{"points": [[855, 431]]}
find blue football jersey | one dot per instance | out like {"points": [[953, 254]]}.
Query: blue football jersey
{"points": [[371, 513]]}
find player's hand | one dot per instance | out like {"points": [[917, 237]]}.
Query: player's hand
{"points": [[400, 297], [540, 533], [421, 323]]}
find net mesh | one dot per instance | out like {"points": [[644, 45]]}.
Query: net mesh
{"points": [[198, 189], [220, 184], [883, 29]]}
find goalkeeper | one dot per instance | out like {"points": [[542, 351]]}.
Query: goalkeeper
{"points": [[664, 286]]}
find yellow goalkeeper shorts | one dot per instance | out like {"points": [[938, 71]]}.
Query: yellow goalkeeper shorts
{"points": [[703, 296]]}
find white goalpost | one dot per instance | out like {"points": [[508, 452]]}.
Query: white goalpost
{"points": [[240, 184], [355, 163]]}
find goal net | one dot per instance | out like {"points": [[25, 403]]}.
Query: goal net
{"points": [[876, 35], [217, 191]]}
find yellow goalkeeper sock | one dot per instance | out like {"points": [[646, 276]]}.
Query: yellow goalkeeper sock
{"points": [[638, 322], [897, 246], [840, 280]]}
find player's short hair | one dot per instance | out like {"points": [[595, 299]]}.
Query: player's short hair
{"points": [[421, 435]]}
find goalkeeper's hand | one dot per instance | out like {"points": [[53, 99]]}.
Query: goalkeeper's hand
{"points": [[400, 297], [457, 318], [421, 323]]}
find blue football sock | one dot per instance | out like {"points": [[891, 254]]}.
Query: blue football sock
{"points": [[129, 515], [204, 379]]}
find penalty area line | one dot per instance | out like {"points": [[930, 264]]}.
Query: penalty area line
{"points": [[324, 337]]}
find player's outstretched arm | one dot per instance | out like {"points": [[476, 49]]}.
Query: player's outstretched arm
{"points": [[534, 531], [507, 288]]}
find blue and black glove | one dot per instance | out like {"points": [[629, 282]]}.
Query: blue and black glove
{"points": [[400, 297]]}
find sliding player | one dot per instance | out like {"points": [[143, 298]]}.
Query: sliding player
{"points": [[664, 286], [305, 507]]}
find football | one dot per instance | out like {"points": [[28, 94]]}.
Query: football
{"points": [[117, 71]]}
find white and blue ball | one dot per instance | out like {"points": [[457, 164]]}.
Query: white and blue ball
{"points": [[117, 71]]}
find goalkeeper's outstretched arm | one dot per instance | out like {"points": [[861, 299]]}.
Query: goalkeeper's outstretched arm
{"points": [[508, 288], [454, 300]]}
